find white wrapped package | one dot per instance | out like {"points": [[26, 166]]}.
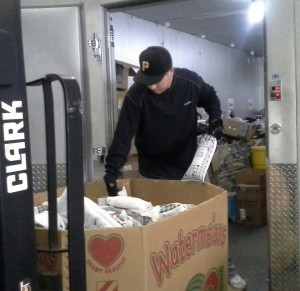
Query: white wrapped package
{"points": [[95, 216], [61, 203], [202, 159], [62, 206], [122, 192], [129, 202], [42, 219], [175, 210], [153, 213]]}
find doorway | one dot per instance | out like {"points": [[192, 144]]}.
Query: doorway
{"points": [[203, 57]]}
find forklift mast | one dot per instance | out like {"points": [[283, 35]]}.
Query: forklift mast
{"points": [[17, 240], [17, 231]]}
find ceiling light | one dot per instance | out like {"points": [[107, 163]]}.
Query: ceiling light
{"points": [[256, 11], [232, 44], [252, 52]]}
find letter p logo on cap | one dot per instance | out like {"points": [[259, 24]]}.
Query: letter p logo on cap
{"points": [[145, 65]]}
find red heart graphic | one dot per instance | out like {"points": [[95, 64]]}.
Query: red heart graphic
{"points": [[212, 281], [106, 250]]}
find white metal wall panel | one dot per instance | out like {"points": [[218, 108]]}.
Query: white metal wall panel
{"points": [[51, 41], [80, 62], [234, 74], [245, 81]]}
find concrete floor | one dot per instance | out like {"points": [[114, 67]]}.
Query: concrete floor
{"points": [[248, 247]]}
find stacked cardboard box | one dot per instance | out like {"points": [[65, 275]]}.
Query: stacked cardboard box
{"points": [[122, 81], [251, 197], [122, 73], [238, 129], [131, 168], [187, 251]]}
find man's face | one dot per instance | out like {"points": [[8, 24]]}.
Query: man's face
{"points": [[164, 84]]}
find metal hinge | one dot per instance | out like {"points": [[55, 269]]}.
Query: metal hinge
{"points": [[100, 152], [95, 44]]}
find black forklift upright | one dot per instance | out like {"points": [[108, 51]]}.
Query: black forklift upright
{"points": [[75, 202], [18, 258]]}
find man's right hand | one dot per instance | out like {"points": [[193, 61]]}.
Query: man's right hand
{"points": [[215, 128], [111, 187]]}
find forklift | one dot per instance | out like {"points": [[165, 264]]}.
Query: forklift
{"points": [[17, 238], [17, 233]]}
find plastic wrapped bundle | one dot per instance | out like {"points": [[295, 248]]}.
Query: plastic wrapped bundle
{"points": [[202, 159]]}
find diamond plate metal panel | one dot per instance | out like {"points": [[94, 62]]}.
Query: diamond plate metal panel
{"points": [[283, 227], [39, 176]]}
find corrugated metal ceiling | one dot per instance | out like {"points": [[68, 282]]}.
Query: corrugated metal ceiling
{"points": [[221, 21]]}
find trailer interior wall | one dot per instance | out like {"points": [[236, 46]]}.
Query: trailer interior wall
{"points": [[56, 35], [44, 54], [55, 38], [236, 75]]}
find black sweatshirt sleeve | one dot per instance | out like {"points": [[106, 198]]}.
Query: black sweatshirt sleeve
{"points": [[210, 101], [124, 133]]}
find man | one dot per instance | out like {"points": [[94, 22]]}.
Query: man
{"points": [[160, 111]]}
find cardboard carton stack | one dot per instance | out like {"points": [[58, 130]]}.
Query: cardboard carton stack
{"points": [[251, 197], [238, 129], [187, 251], [122, 82], [131, 168]]}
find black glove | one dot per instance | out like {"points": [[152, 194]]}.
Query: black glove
{"points": [[215, 128], [111, 187]]}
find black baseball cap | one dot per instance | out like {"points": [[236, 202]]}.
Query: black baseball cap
{"points": [[155, 61]]}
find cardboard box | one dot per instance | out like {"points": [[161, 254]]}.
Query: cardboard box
{"points": [[122, 77], [121, 95], [238, 129], [182, 252], [120, 98], [132, 174], [131, 168], [251, 201], [133, 150], [252, 177], [251, 197]]}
